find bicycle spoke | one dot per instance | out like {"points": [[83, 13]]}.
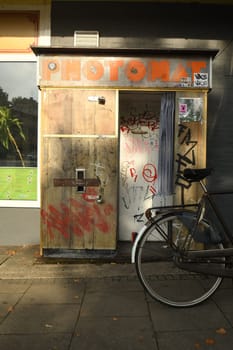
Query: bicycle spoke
{"points": [[158, 268]]}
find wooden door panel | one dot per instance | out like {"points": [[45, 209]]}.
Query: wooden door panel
{"points": [[72, 218], [106, 170], [55, 224], [90, 117], [57, 111]]}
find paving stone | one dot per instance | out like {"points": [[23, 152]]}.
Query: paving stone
{"points": [[193, 340], [118, 303], [111, 284], [199, 317], [13, 286], [50, 318], [57, 293], [3, 258], [7, 303], [114, 333], [35, 342]]}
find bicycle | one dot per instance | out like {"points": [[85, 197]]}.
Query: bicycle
{"points": [[183, 252]]}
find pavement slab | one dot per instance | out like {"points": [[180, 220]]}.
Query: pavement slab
{"points": [[54, 293], [3, 258], [199, 317], [114, 333], [116, 304], [193, 340], [41, 319], [35, 341]]}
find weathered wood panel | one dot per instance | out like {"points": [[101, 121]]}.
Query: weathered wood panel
{"points": [[74, 219], [57, 111], [106, 170], [190, 148], [78, 112], [91, 117], [55, 200]]}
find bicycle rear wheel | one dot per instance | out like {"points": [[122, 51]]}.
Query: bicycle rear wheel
{"points": [[156, 255]]}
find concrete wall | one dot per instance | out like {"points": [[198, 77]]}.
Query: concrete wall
{"points": [[19, 226]]}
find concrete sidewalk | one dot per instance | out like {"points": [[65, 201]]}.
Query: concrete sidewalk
{"points": [[99, 306], [25, 262]]}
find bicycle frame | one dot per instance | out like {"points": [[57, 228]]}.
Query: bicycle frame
{"points": [[161, 212], [207, 197], [226, 252]]}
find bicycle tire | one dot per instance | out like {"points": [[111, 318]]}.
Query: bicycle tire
{"points": [[155, 258]]}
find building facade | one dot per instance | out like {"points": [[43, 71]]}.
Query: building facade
{"points": [[110, 100]]}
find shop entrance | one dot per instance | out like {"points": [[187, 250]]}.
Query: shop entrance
{"points": [[139, 124]]}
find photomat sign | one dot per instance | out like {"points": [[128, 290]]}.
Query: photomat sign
{"points": [[124, 72]]}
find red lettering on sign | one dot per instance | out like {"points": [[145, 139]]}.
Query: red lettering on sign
{"points": [[179, 73], [135, 70], [122, 71], [197, 66], [50, 66], [114, 69], [71, 70], [93, 70], [158, 70]]}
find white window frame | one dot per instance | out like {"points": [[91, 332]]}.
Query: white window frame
{"points": [[44, 39]]}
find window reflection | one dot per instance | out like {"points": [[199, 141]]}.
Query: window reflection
{"points": [[18, 114]]}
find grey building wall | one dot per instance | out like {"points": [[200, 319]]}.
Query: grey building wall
{"points": [[19, 226]]}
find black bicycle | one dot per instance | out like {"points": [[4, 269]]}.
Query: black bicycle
{"points": [[183, 252]]}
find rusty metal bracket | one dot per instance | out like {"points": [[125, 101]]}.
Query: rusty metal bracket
{"points": [[65, 182]]}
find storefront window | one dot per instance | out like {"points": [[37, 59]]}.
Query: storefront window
{"points": [[18, 131]]}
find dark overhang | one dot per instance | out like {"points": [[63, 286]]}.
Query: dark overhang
{"points": [[207, 2], [97, 51]]}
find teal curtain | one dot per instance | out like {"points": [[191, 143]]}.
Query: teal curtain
{"points": [[166, 145]]}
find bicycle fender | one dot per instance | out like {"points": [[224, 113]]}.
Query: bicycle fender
{"points": [[143, 229], [139, 235]]}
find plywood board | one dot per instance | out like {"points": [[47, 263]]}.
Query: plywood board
{"points": [[78, 112], [190, 150], [70, 218]]}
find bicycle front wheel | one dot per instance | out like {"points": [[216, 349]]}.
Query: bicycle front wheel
{"points": [[156, 255]]}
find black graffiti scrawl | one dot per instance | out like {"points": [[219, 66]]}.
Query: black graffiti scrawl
{"points": [[186, 158]]}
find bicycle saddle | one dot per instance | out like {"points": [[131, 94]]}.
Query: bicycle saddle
{"points": [[196, 174]]}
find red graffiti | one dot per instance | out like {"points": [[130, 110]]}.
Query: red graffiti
{"points": [[78, 216], [133, 173], [149, 172], [90, 195], [146, 119], [153, 190], [140, 146]]}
